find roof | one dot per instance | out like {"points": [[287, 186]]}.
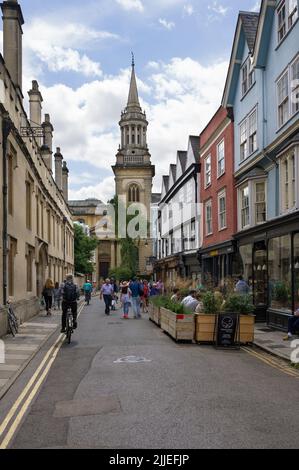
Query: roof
{"points": [[254, 173], [133, 100], [182, 156], [250, 23], [195, 141], [85, 203], [166, 183], [173, 171], [156, 197]]}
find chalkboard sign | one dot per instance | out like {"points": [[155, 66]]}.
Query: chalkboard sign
{"points": [[227, 331]]}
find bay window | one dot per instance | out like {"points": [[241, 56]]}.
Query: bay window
{"points": [[288, 178], [252, 203], [283, 99], [260, 202], [245, 220]]}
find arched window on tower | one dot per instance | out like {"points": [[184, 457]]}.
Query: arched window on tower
{"points": [[134, 193]]}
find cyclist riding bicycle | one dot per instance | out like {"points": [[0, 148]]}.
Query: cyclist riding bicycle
{"points": [[70, 295], [87, 288]]}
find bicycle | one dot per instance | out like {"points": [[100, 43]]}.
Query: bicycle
{"points": [[69, 325], [13, 324]]}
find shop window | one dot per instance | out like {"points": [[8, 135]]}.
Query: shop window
{"points": [[296, 269], [246, 265], [280, 273]]}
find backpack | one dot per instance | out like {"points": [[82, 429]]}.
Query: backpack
{"points": [[69, 293]]}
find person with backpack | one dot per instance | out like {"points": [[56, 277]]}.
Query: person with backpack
{"points": [[70, 295], [136, 293], [87, 288], [47, 294]]}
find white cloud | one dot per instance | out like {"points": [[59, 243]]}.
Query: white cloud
{"points": [[103, 191], [217, 8], [257, 6], [185, 94], [167, 24], [189, 9], [131, 5]]}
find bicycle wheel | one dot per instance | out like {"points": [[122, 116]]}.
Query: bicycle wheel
{"points": [[13, 328], [14, 319], [69, 335]]}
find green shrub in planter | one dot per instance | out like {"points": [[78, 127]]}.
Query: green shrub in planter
{"points": [[241, 304], [211, 304]]}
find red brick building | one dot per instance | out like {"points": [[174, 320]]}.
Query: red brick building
{"points": [[218, 196]]}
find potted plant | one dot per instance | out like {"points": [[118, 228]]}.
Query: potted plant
{"points": [[243, 306], [176, 320], [205, 321]]}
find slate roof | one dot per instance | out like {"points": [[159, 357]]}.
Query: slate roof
{"points": [[195, 142], [250, 23], [85, 203], [182, 156], [173, 171], [256, 171], [166, 183], [156, 197]]}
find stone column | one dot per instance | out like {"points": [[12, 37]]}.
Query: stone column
{"points": [[65, 177]]}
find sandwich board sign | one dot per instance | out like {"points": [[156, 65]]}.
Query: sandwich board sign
{"points": [[227, 331]]}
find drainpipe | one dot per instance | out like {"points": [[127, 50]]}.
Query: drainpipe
{"points": [[7, 126]]}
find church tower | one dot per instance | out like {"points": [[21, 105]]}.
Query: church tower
{"points": [[133, 169]]}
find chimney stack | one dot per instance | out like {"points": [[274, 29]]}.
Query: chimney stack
{"points": [[46, 149], [12, 40], [35, 102], [65, 183], [58, 168]]}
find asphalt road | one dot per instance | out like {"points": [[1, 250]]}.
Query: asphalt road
{"points": [[183, 396]]}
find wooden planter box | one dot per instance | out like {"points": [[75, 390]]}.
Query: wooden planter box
{"points": [[205, 324], [179, 327], [151, 311], [157, 315]]}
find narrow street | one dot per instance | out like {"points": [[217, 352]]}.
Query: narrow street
{"points": [[183, 396]]}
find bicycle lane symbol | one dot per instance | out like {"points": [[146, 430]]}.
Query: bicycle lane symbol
{"points": [[2, 352]]}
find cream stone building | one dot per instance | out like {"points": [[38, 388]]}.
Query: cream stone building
{"points": [[36, 225], [133, 169]]}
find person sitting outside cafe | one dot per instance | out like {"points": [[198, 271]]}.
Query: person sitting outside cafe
{"points": [[293, 325]]}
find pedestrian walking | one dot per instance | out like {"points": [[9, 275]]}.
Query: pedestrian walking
{"points": [[137, 292], [242, 287], [106, 293], [57, 296], [48, 295], [145, 296], [87, 288], [125, 297]]}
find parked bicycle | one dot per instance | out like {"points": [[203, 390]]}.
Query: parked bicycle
{"points": [[12, 321]]}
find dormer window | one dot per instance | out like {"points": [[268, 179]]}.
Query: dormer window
{"points": [[248, 76]]}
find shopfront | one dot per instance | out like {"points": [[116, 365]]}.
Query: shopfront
{"points": [[270, 263], [217, 263]]}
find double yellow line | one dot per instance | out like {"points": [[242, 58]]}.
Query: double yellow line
{"points": [[32, 388], [271, 361]]}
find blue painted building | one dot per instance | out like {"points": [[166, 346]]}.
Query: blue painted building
{"points": [[262, 88]]}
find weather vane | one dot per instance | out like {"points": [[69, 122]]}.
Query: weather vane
{"points": [[133, 59]]}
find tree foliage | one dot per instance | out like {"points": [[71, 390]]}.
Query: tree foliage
{"points": [[84, 247]]}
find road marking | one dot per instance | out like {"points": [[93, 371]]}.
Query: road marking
{"points": [[34, 379], [286, 369]]}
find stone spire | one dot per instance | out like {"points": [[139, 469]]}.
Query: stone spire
{"points": [[133, 100]]}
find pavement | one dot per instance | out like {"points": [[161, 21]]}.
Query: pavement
{"points": [[21, 349], [271, 341]]}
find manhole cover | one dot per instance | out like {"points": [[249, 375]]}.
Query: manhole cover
{"points": [[131, 359]]}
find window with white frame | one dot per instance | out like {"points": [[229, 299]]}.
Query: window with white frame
{"points": [[252, 123], [295, 85], [248, 76], [287, 14], [220, 159], [244, 203], [222, 210], [260, 202], [248, 135], [288, 93], [283, 99], [288, 170], [209, 228], [208, 171], [192, 244]]}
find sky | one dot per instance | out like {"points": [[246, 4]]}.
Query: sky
{"points": [[80, 53]]}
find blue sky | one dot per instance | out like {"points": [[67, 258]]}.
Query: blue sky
{"points": [[80, 54]]}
